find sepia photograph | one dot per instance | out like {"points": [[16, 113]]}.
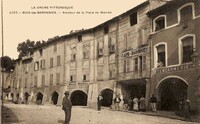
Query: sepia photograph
{"points": [[100, 62]]}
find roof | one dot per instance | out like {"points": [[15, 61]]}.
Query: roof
{"points": [[115, 19], [166, 6]]}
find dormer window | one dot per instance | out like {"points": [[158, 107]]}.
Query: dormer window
{"points": [[159, 23]]}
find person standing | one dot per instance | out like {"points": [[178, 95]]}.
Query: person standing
{"points": [[67, 106], [117, 101], [99, 101], [26, 97], [186, 109], [153, 102], [142, 104], [135, 104], [125, 105]]}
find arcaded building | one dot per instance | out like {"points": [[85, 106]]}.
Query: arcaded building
{"points": [[118, 57], [175, 49]]}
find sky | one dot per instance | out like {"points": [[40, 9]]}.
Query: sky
{"points": [[18, 26]]}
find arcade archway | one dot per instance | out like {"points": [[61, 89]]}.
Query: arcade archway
{"points": [[39, 98], [78, 98], [54, 97], [170, 92], [107, 95]]}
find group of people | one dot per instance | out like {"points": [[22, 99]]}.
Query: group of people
{"points": [[135, 104], [125, 104]]}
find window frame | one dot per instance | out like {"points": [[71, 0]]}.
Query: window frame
{"points": [[154, 22], [185, 5], [180, 46], [130, 22], [156, 54]]}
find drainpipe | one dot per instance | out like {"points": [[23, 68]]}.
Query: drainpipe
{"points": [[117, 58]]}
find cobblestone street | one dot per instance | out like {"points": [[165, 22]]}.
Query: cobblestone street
{"points": [[34, 114]]}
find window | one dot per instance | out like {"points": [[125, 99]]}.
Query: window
{"points": [[86, 51], [112, 42], [106, 30], [41, 52], [73, 53], [73, 78], [43, 80], [187, 49], [133, 19], [35, 81], [42, 64], [26, 69], [144, 63], [55, 48], [159, 23], [79, 38], [25, 85], [86, 54], [100, 72], [112, 72], [161, 55], [141, 61], [126, 65], [58, 78], [73, 75], [100, 48], [36, 66], [20, 83], [186, 12], [136, 64], [73, 56], [51, 62], [125, 42], [51, 79], [58, 61], [86, 73]]}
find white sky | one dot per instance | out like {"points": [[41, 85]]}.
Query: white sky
{"points": [[18, 27]]}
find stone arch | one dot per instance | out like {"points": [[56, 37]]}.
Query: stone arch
{"points": [[78, 98], [54, 97], [172, 76], [171, 90], [39, 98], [107, 95]]}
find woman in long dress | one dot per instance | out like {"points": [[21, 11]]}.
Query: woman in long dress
{"points": [[135, 104], [142, 104]]}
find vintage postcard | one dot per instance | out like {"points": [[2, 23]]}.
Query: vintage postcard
{"points": [[100, 61]]}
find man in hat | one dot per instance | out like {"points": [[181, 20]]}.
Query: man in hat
{"points": [[67, 106], [99, 101]]}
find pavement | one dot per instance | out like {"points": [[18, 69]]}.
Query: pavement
{"points": [[42, 114]]}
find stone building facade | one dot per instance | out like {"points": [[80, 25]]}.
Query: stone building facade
{"points": [[117, 57], [175, 47]]}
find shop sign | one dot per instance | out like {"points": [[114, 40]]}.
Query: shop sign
{"points": [[175, 68], [132, 52]]}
